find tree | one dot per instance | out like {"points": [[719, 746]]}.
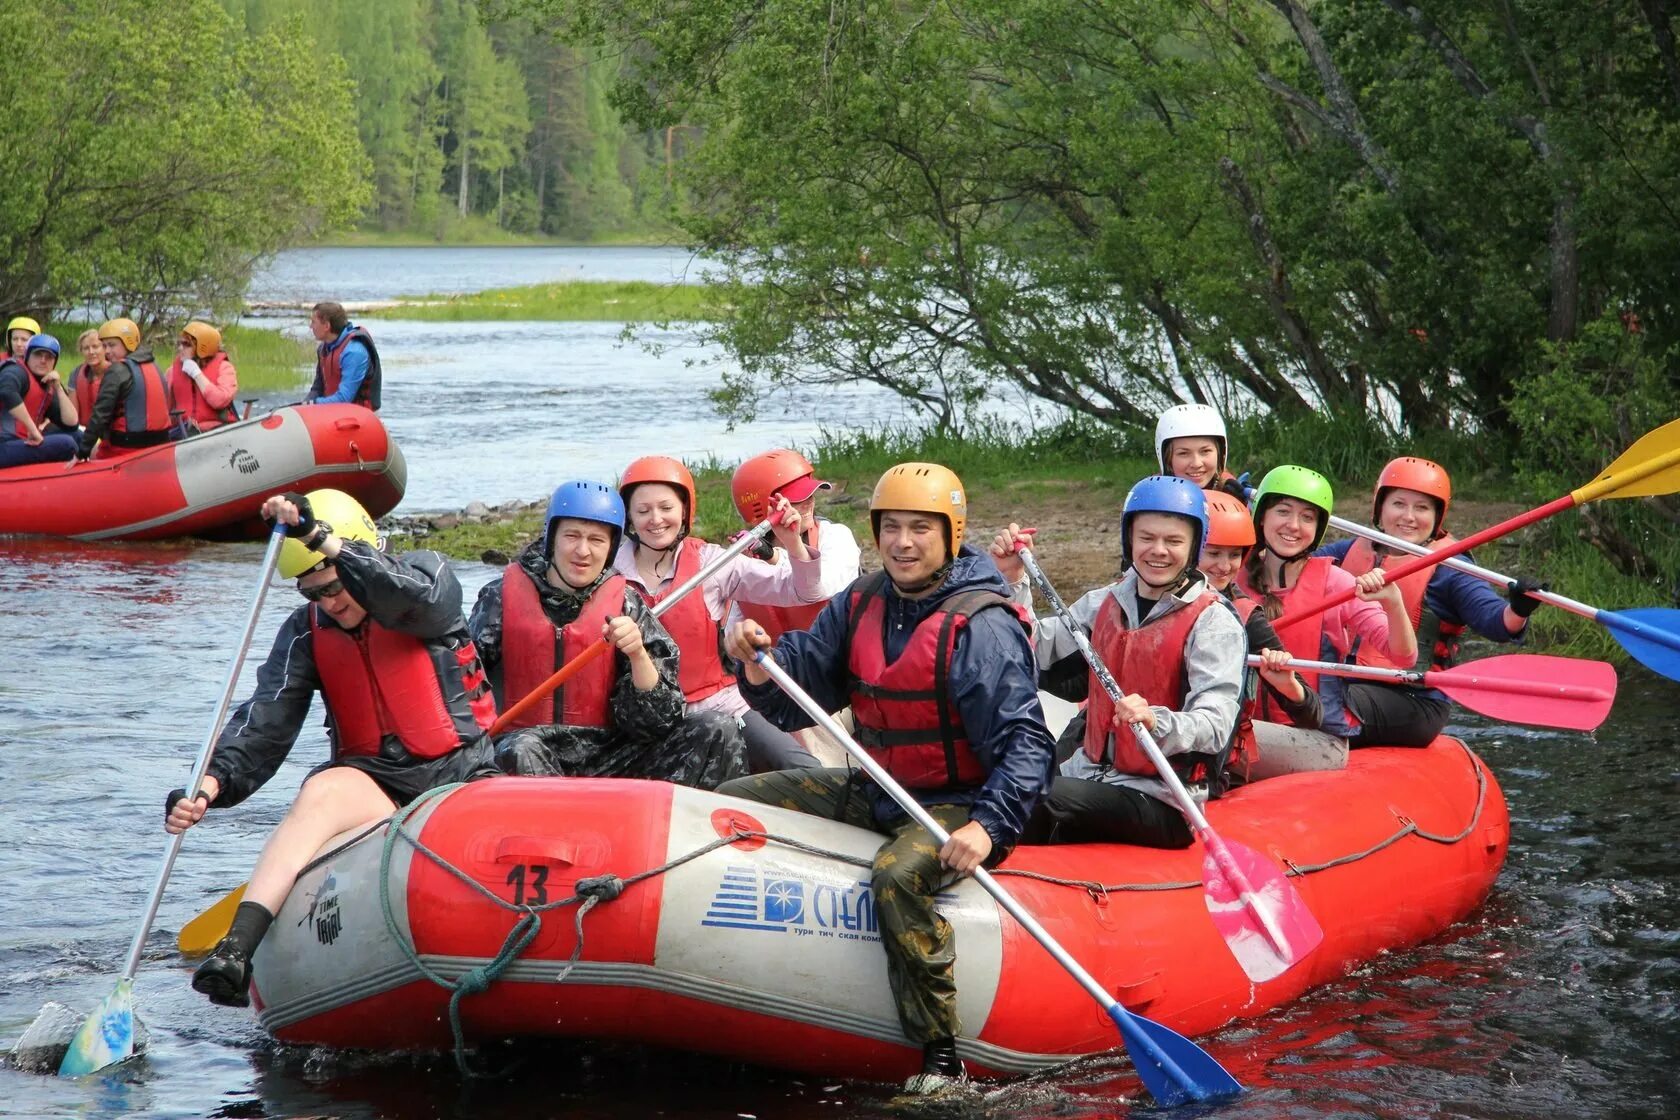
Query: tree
{"points": [[155, 152]]}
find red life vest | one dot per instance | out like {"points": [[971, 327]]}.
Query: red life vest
{"points": [[1435, 634], [329, 367], [779, 620], [529, 656], [1304, 639], [903, 710], [84, 386], [380, 682], [190, 398], [146, 406], [700, 669], [35, 402], [1148, 661]]}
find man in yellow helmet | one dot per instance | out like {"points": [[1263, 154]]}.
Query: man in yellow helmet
{"points": [[132, 409], [383, 640], [939, 673]]}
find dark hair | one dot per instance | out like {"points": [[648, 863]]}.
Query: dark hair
{"points": [[332, 314]]}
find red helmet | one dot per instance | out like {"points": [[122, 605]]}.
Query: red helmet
{"points": [[660, 468], [1407, 473], [760, 478], [1230, 525]]}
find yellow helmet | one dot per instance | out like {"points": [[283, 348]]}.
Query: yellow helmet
{"points": [[924, 488], [349, 521], [22, 323], [125, 331], [206, 339]]}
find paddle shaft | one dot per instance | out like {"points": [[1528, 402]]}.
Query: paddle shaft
{"points": [[1609, 482], [1210, 839], [1004, 899], [1618, 623], [205, 754], [600, 645], [1460, 564], [1445, 679]]}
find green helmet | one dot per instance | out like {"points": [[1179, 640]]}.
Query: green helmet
{"points": [[1301, 484]]}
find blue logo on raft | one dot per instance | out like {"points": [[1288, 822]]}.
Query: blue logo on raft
{"points": [[747, 900]]}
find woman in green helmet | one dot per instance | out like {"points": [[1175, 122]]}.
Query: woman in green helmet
{"points": [[1291, 513]]}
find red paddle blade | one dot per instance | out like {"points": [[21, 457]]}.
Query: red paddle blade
{"points": [[1567, 692], [1256, 909]]}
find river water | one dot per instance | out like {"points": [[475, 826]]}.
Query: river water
{"points": [[1557, 999]]}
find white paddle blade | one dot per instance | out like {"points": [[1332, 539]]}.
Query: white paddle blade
{"points": [[1242, 920]]}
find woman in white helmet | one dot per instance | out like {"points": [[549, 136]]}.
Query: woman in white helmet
{"points": [[1190, 443]]}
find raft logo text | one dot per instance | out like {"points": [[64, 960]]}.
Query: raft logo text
{"points": [[776, 902]]}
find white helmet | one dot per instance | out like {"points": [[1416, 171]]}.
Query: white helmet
{"points": [[1188, 420]]}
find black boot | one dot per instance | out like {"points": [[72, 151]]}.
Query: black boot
{"points": [[942, 1070], [225, 975]]}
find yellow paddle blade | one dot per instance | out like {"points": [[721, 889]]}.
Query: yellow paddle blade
{"points": [[200, 935], [1649, 468]]}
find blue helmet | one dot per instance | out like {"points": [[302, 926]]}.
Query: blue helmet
{"points": [[42, 342], [1163, 494], [586, 501]]}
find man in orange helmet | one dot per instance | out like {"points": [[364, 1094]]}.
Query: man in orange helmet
{"points": [[936, 665], [132, 409]]}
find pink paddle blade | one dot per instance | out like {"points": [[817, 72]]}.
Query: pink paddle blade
{"points": [[1256, 909], [1531, 688]]}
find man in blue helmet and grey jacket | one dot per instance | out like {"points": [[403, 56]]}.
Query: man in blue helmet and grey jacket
{"points": [[621, 715], [1177, 651]]}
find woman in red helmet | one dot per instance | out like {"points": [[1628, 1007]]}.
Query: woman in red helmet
{"points": [[1411, 501], [659, 553]]}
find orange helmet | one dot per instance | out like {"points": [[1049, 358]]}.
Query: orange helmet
{"points": [[1230, 525], [660, 468], [922, 488], [762, 477], [206, 339], [1407, 473]]}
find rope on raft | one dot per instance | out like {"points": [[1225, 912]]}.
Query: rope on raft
{"points": [[590, 892]]}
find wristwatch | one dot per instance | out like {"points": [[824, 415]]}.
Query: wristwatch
{"points": [[318, 535]]}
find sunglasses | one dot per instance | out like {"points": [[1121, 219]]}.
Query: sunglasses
{"points": [[322, 591]]}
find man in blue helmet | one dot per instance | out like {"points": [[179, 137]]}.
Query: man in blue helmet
{"points": [[37, 417], [622, 714], [1176, 649]]}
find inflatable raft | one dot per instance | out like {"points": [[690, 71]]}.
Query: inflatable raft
{"points": [[728, 939], [209, 485]]}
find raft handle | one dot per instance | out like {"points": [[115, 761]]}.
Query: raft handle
{"points": [[1139, 994], [535, 849], [347, 424]]}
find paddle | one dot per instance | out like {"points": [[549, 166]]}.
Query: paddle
{"points": [[107, 1035], [1531, 688], [1271, 928], [1651, 466], [1174, 1069], [1650, 634], [202, 933]]}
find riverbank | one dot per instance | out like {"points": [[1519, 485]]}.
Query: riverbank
{"points": [[564, 301], [478, 232], [1071, 485]]}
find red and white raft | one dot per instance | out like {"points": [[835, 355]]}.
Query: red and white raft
{"points": [[759, 951], [209, 485]]}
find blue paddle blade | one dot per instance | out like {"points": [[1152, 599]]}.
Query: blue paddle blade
{"points": [[1175, 1070], [106, 1037], [1650, 634]]}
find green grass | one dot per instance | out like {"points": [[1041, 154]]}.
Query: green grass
{"points": [[479, 230], [576, 300], [266, 360]]}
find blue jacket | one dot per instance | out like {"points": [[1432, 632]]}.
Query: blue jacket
{"points": [[993, 684], [352, 367]]}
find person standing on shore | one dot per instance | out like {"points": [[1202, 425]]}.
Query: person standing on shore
{"points": [[347, 368], [202, 380]]}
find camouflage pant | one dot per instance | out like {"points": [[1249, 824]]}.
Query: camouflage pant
{"points": [[920, 945], [703, 750]]}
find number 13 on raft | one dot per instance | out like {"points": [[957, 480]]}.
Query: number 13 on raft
{"points": [[1262, 917]]}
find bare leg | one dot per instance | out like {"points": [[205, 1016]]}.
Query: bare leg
{"points": [[331, 802]]}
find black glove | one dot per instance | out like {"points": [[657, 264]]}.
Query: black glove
{"points": [[180, 794], [1236, 487], [306, 516], [1522, 604]]}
